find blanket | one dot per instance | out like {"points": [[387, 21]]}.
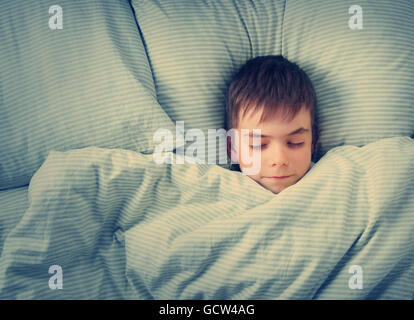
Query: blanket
{"points": [[113, 224]]}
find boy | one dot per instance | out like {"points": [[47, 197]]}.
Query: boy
{"points": [[276, 96]]}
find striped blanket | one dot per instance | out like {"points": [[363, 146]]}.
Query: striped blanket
{"points": [[113, 224]]}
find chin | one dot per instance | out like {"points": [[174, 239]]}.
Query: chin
{"points": [[277, 190]]}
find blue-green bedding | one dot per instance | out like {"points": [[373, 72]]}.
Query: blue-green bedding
{"points": [[121, 226]]}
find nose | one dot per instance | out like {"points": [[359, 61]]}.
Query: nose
{"points": [[280, 156]]}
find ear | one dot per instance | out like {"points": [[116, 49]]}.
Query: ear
{"points": [[232, 151]]}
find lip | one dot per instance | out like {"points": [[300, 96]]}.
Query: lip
{"points": [[278, 177]]}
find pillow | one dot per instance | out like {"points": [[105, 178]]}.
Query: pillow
{"points": [[194, 47], [364, 78], [87, 84]]}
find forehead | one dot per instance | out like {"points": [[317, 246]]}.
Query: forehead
{"points": [[276, 122]]}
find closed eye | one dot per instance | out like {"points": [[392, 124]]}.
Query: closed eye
{"points": [[262, 146], [295, 145]]}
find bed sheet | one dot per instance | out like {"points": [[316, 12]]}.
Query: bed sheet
{"points": [[121, 226], [13, 204]]}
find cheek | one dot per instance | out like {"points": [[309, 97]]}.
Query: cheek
{"points": [[302, 159], [258, 163]]}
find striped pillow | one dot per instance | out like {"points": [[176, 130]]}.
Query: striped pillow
{"points": [[195, 46], [364, 78], [88, 84]]}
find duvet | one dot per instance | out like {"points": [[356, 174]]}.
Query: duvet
{"points": [[113, 224]]}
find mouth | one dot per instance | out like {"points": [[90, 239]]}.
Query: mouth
{"points": [[278, 177]]}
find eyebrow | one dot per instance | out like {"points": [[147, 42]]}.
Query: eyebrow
{"points": [[297, 131]]}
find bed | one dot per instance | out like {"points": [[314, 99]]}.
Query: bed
{"points": [[86, 212]]}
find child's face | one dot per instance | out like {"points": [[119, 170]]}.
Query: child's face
{"points": [[285, 146]]}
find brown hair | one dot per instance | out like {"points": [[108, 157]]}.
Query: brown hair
{"points": [[274, 84]]}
